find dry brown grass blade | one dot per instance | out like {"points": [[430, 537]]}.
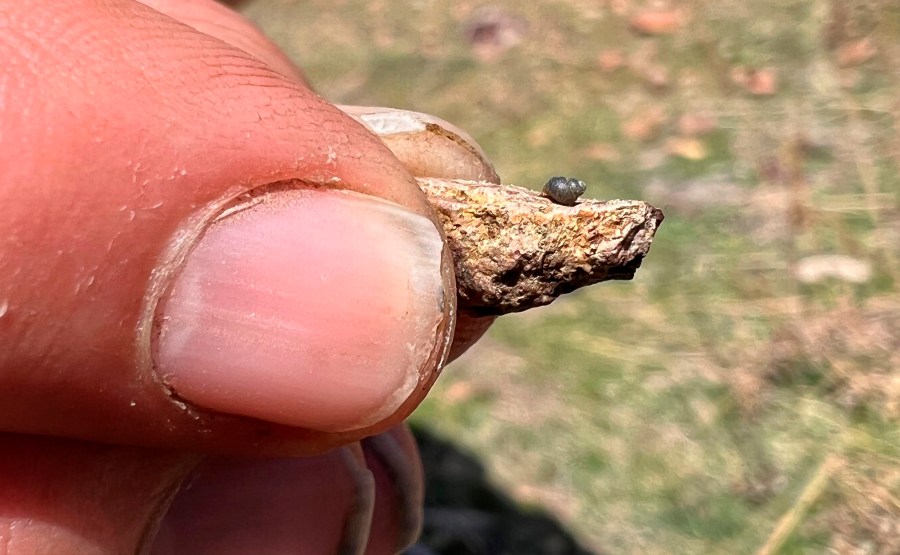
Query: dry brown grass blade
{"points": [[811, 492]]}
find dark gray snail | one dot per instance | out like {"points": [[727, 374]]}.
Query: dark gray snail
{"points": [[564, 190]]}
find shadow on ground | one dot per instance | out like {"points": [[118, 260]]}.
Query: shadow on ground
{"points": [[465, 514]]}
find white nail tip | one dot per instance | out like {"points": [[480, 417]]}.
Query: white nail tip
{"points": [[393, 122]]}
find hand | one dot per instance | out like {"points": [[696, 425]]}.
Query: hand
{"points": [[199, 255]]}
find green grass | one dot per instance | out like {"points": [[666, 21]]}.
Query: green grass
{"points": [[683, 412]]}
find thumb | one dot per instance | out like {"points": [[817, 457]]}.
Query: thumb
{"points": [[198, 252]]}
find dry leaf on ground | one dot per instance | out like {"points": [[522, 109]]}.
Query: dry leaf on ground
{"points": [[610, 60], [603, 152], [856, 52], [645, 125], [758, 82], [688, 148], [697, 124], [657, 22]]}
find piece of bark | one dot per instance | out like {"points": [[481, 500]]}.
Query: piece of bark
{"points": [[515, 249]]}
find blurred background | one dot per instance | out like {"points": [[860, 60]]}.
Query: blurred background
{"points": [[742, 394]]}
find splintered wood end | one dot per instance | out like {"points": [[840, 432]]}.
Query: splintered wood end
{"points": [[515, 249]]}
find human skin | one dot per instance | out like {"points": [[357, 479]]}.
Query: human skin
{"points": [[200, 257]]}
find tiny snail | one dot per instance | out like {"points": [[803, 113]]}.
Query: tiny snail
{"points": [[564, 190]]}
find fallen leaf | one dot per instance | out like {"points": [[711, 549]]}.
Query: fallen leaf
{"points": [[657, 22], [603, 152], [542, 134], [459, 392], [697, 124], [688, 148], [610, 60], [657, 76], [856, 52], [763, 82], [759, 82], [645, 125]]}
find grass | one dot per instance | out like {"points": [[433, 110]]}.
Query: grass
{"points": [[687, 411]]}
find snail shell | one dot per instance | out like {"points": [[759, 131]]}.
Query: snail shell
{"points": [[564, 190]]}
